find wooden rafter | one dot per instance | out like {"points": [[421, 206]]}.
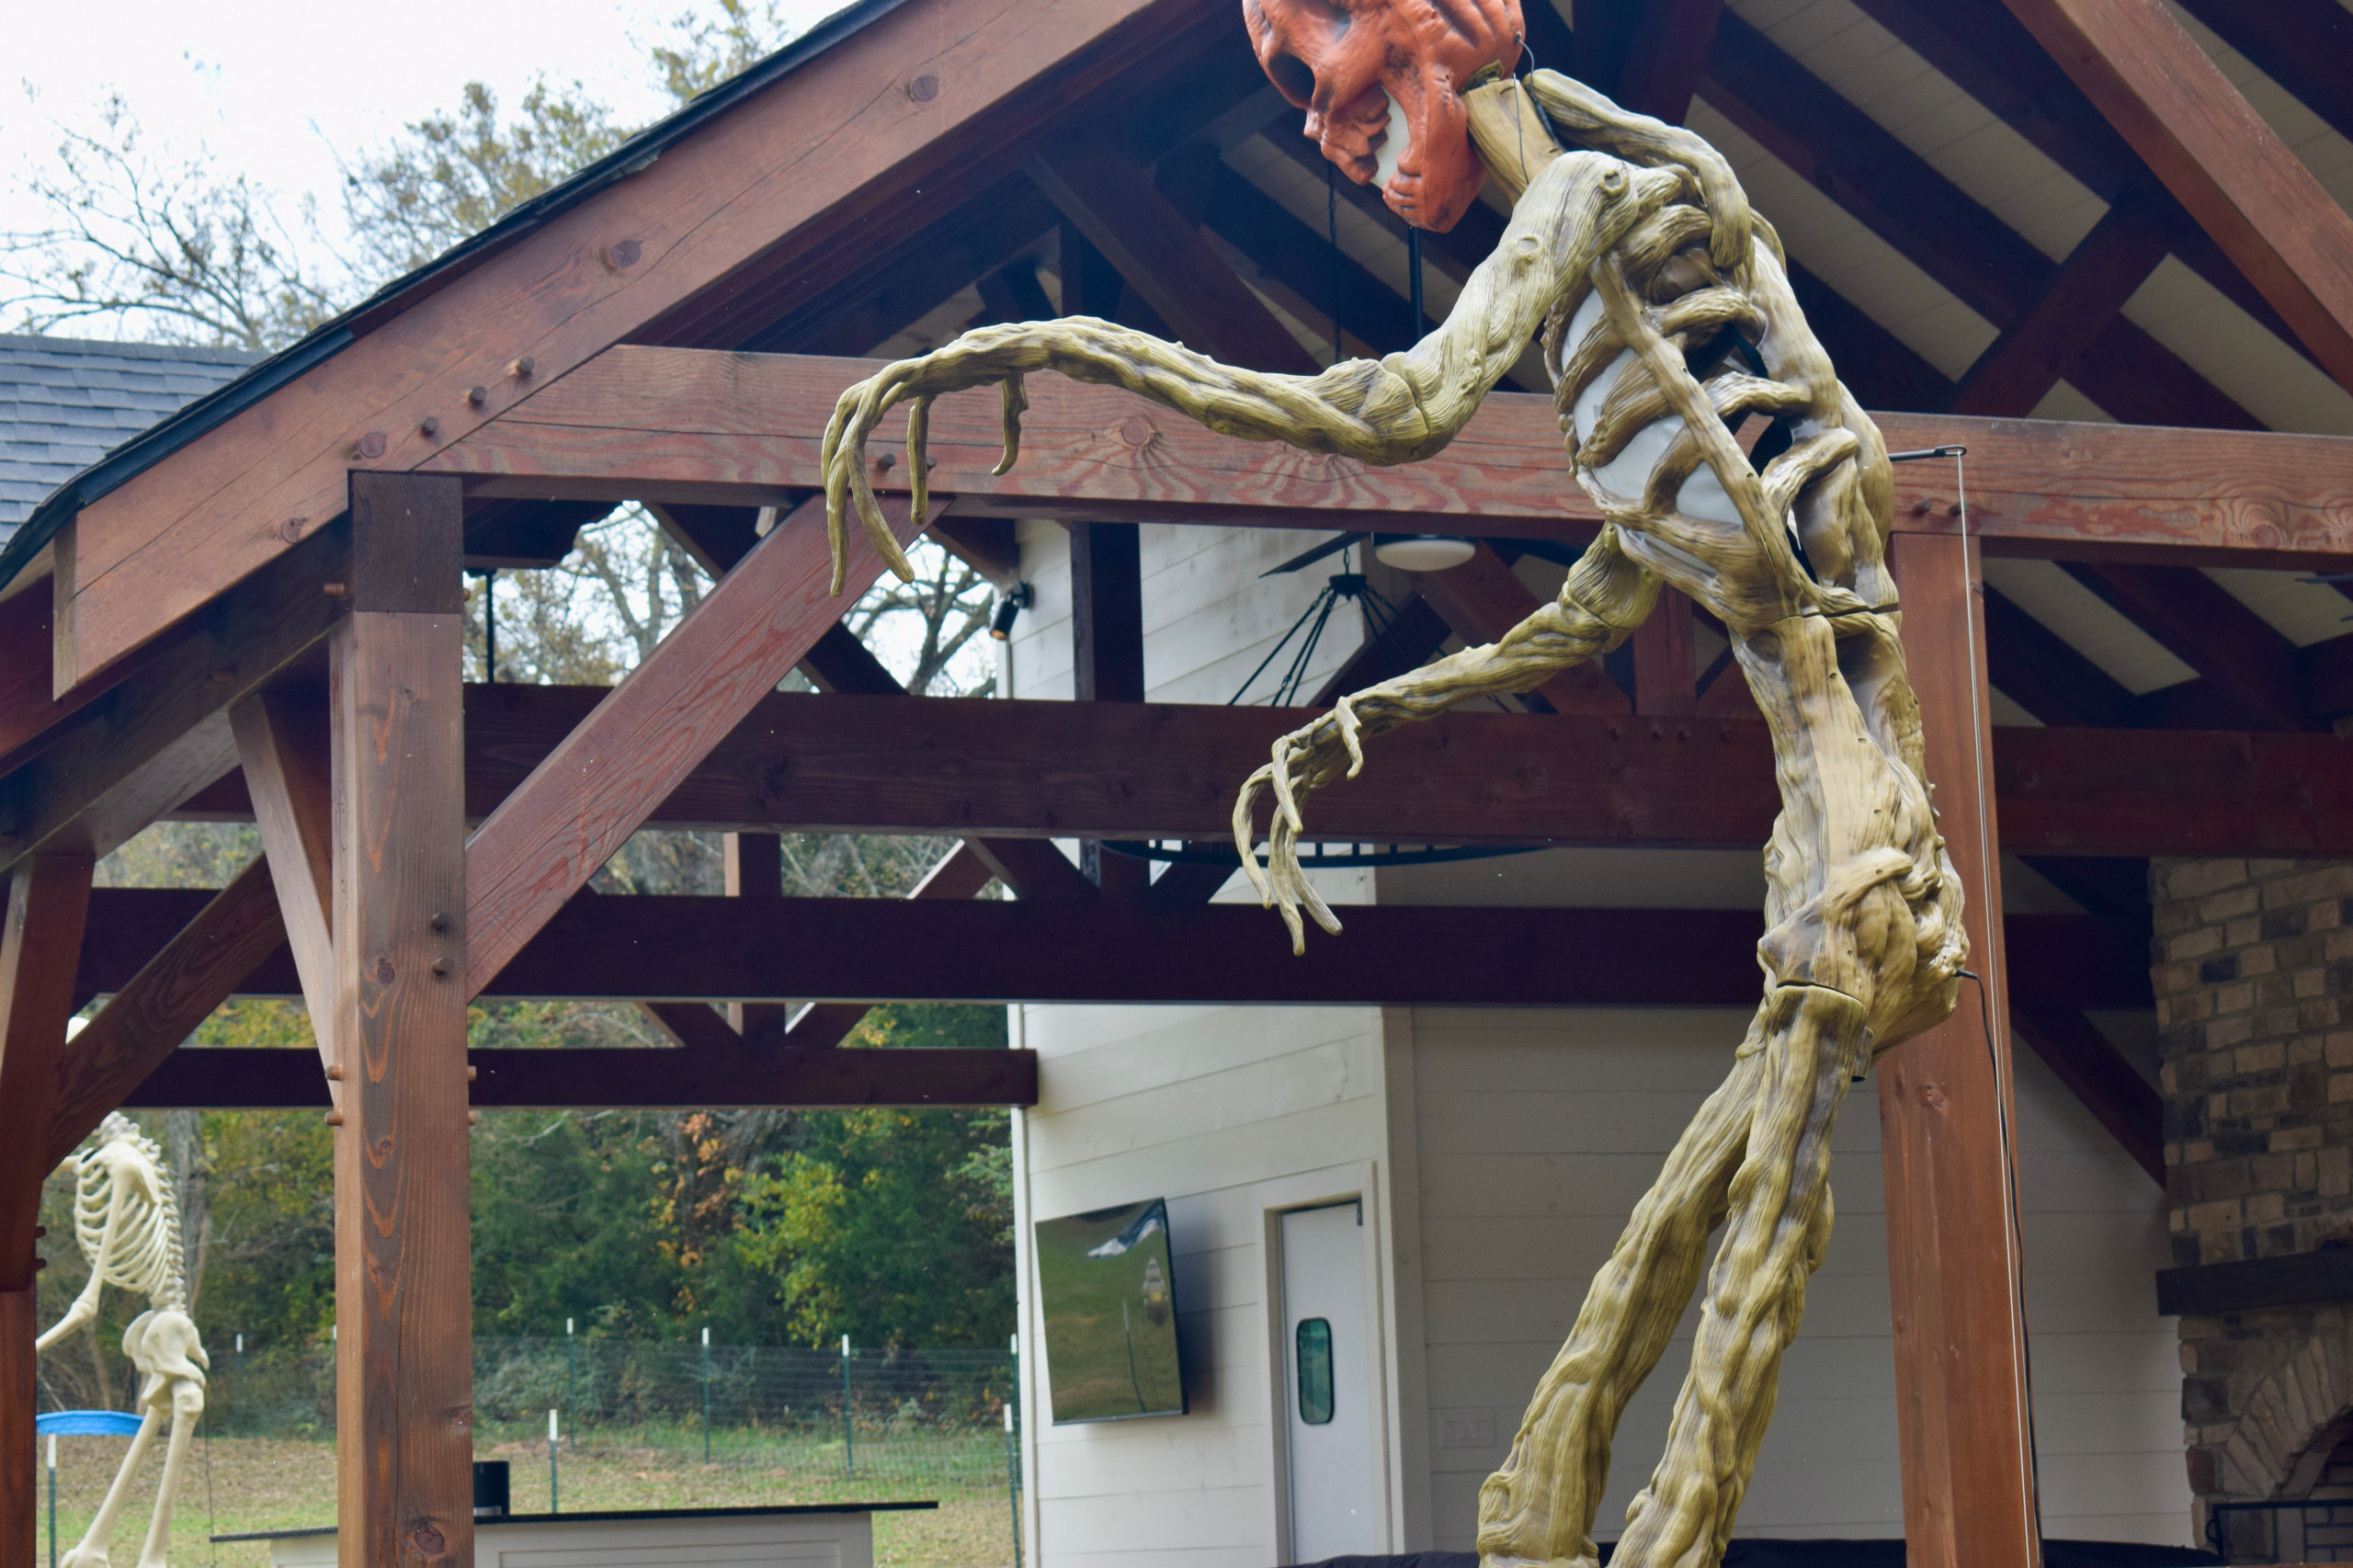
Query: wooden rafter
{"points": [[599, 785], [715, 949], [746, 428], [828, 157], [2098, 1074], [2243, 661], [1985, 52], [2218, 158], [282, 747], [579, 1079], [1114, 204], [2061, 323], [1980, 259], [1033, 770], [2306, 46]]}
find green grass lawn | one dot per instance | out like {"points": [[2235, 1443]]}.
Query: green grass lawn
{"points": [[238, 1485]]}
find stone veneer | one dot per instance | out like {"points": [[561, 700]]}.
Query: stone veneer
{"points": [[2253, 984]]}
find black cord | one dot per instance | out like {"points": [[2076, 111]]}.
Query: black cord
{"points": [[1413, 266], [2018, 1236]]}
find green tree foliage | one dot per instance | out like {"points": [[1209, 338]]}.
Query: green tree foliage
{"points": [[765, 1226]]}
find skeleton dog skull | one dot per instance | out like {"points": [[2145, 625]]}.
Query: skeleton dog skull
{"points": [[1381, 81]]}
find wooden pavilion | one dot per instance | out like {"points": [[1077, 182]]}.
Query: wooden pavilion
{"points": [[254, 611]]}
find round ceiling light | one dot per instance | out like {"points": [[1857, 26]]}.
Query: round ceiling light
{"points": [[1422, 552]]}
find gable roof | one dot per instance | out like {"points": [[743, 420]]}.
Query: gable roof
{"points": [[65, 403], [255, 376]]}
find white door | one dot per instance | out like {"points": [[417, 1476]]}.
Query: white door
{"points": [[1327, 1353]]}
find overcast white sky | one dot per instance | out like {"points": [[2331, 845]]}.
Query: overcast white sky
{"points": [[277, 89]]}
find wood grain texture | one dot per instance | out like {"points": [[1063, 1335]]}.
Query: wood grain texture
{"points": [[599, 1080], [284, 750], [746, 428], [1946, 1107], [1481, 600], [48, 899], [600, 784], [404, 1415], [960, 875], [201, 952], [1665, 681], [1106, 658], [1112, 200], [105, 770], [706, 949], [20, 1501], [2074, 306], [1961, 244], [1045, 769], [818, 156], [753, 867], [41, 941], [2217, 156]]}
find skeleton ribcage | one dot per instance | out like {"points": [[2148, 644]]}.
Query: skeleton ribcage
{"points": [[1658, 363]]}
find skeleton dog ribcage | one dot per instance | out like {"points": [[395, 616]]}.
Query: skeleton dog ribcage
{"points": [[1668, 325]]}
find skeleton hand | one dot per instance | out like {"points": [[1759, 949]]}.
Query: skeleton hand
{"points": [[1304, 758]]}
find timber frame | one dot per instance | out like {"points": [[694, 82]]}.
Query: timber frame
{"points": [[208, 625]]}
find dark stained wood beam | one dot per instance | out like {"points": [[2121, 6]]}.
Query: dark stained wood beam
{"points": [[396, 1027], [2326, 670], [48, 899], [188, 953], [601, 783], [101, 772], [985, 544], [2306, 46], [2250, 1284], [1666, 684], [2247, 664], [1032, 770], [714, 950], [1666, 57], [839, 156], [747, 429], [2062, 322], [1881, 368], [1106, 656], [2041, 673], [1481, 600], [1987, 54], [753, 868], [1985, 262], [1162, 256], [574, 1079], [2097, 1075], [962, 875], [283, 748], [1304, 260], [2219, 159]]}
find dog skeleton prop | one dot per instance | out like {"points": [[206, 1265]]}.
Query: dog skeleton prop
{"points": [[1667, 320], [127, 1219]]}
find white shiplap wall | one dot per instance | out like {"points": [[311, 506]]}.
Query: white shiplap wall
{"points": [[1535, 1132]]}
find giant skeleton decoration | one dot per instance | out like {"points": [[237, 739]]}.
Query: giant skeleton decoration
{"points": [[1667, 322], [127, 1220]]}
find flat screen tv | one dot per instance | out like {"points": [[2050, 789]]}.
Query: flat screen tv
{"points": [[1108, 1289]]}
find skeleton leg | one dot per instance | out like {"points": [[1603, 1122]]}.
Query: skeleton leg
{"points": [[188, 1408], [1539, 1505], [92, 1552]]}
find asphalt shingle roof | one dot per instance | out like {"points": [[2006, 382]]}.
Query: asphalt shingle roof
{"points": [[66, 402]]}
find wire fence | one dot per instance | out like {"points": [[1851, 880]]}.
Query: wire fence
{"points": [[650, 1426]]}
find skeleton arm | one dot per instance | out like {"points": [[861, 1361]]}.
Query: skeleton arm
{"points": [[85, 1305], [1395, 410]]}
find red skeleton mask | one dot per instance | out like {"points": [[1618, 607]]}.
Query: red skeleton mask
{"points": [[1375, 73]]}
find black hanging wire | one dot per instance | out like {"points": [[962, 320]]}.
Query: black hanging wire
{"points": [[1332, 232], [1413, 279]]}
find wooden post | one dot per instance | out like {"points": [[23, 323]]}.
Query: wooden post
{"points": [[754, 869], [40, 943], [1946, 1106], [1107, 656], [403, 1276]]}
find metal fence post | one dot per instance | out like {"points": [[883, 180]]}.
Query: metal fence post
{"points": [[552, 1506], [1013, 1444], [53, 1500], [706, 1394], [849, 1439], [569, 1407]]}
